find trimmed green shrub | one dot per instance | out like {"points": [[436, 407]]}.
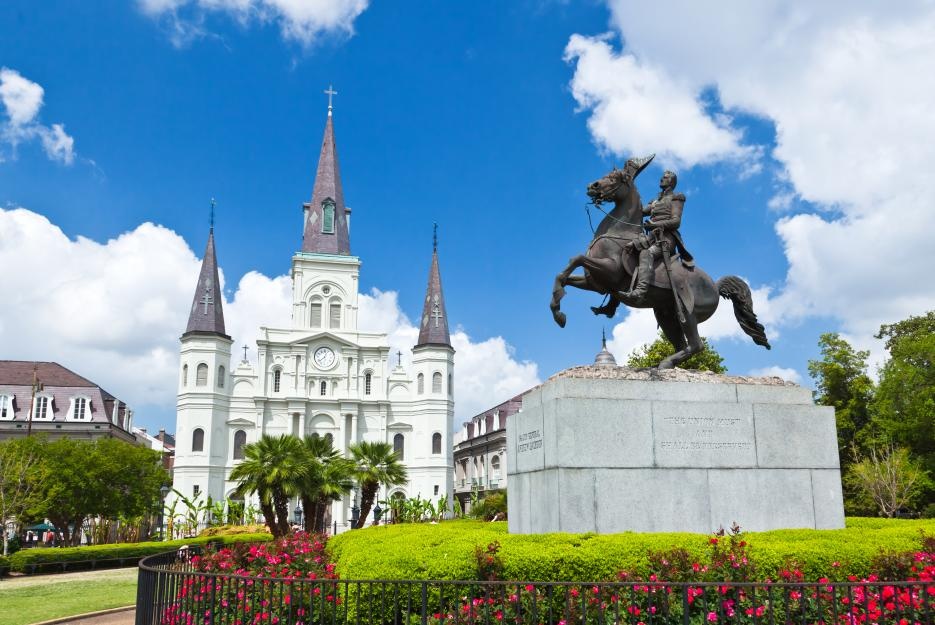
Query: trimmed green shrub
{"points": [[447, 551], [103, 556], [4, 565]]}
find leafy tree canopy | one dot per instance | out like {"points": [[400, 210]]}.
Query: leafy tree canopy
{"points": [[651, 354]]}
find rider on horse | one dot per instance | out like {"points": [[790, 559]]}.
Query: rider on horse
{"points": [[665, 217]]}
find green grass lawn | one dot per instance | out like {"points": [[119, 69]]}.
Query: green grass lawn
{"points": [[24, 604]]}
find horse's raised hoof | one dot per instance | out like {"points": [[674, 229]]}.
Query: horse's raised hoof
{"points": [[666, 364], [560, 318], [607, 310]]}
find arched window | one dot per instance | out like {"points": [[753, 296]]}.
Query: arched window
{"points": [[201, 375], [399, 446], [327, 216], [495, 466], [420, 384], [198, 440], [436, 443], [314, 319], [329, 438], [436, 382], [221, 375], [368, 382], [323, 388], [334, 314], [80, 409], [240, 439], [184, 375], [277, 380], [451, 390]]}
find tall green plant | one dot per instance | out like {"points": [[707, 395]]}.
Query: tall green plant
{"points": [[273, 467], [328, 477], [376, 464]]}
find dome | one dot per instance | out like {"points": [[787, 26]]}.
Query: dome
{"points": [[604, 358]]}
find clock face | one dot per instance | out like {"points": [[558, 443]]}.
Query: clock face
{"points": [[324, 357]]}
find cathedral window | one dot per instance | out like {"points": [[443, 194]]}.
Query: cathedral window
{"points": [[277, 380], [315, 315], [436, 443], [221, 375], [6, 407], [42, 409], [420, 384], [327, 214], [495, 467], [184, 375], [334, 315], [329, 438], [240, 439], [198, 440], [323, 388], [399, 446], [451, 391], [436, 382], [201, 375], [79, 411], [195, 490], [368, 383]]}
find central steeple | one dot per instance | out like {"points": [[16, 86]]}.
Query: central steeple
{"points": [[326, 229]]}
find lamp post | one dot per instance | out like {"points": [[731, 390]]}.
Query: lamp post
{"points": [[298, 515], [162, 512], [355, 513], [377, 513]]}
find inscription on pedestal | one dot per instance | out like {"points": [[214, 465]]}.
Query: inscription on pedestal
{"points": [[718, 440], [529, 441]]}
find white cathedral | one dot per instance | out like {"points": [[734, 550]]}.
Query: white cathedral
{"points": [[322, 376]]}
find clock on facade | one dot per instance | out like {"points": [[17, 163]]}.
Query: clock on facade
{"points": [[324, 357]]}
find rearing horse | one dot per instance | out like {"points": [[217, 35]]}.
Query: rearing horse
{"points": [[609, 266]]}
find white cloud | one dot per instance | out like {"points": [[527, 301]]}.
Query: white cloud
{"points": [[112, 314], [843, 84], [22, 100], [303, 21], [789, 375]]}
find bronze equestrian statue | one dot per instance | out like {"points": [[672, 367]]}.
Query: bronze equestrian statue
{"points": [[625, 250]]}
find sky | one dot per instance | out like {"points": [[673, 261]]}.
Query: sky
{"points": [[801, 134]]}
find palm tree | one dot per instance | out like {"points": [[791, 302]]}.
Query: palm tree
{"points": [[328, 477], [376, 464], [272, 467]]}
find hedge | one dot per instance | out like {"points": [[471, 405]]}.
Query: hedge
{"points": [[4, 565], [446, 550], [103, 556]]}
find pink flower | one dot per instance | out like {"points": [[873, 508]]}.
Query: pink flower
{"points": [[712, 617]]}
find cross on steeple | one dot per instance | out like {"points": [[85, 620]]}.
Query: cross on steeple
{"points": [[331, 92], [436, 311], [435, 237], [206, 299], [213, 204], [245, 353], [399, 356]]}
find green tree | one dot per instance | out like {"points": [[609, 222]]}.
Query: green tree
{"points": [[891, 479], [904, 406], [19, 467], [841, 381], [651, 354], [273, 468], [328, 477], [375, 464]]}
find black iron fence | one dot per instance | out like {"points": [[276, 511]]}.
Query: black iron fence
{"points": [[171, 592]]}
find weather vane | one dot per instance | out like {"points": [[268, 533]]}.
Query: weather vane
{"points": [[331, 92], [435, 237], [213, 203]]}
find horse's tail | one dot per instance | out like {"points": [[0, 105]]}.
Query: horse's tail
{"points": [[737, 291]]}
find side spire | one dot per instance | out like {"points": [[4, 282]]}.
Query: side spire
{"points": [[207, 314], [433, 329], [326, 217]]}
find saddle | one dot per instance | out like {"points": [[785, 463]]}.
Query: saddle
{"points": [[660, 278]]}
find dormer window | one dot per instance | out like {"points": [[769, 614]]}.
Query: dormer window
{"points": [[327, 214], [79, 409], [6, 407], [42, 411]]}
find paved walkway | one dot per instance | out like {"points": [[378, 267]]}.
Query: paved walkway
{"points": [[126, 617], [21, 581]]}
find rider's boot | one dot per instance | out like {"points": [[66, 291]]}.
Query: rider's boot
{"points": [[637, 296]]}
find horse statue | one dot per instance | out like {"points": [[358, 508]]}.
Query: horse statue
{"points": [[610, 264]]}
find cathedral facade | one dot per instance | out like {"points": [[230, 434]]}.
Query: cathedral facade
{"points": [[322, 376]]}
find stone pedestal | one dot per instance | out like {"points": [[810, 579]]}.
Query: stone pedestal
{"points": [[611, 449]]}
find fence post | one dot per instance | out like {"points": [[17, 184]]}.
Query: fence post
{"points": [[425, 603], [685, 619]]}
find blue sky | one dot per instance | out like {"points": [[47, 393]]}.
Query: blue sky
{"points": [[487, 117]]}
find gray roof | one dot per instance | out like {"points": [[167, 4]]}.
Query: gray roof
{"points": [[207, 314], [433, 327], [327, 187]]}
